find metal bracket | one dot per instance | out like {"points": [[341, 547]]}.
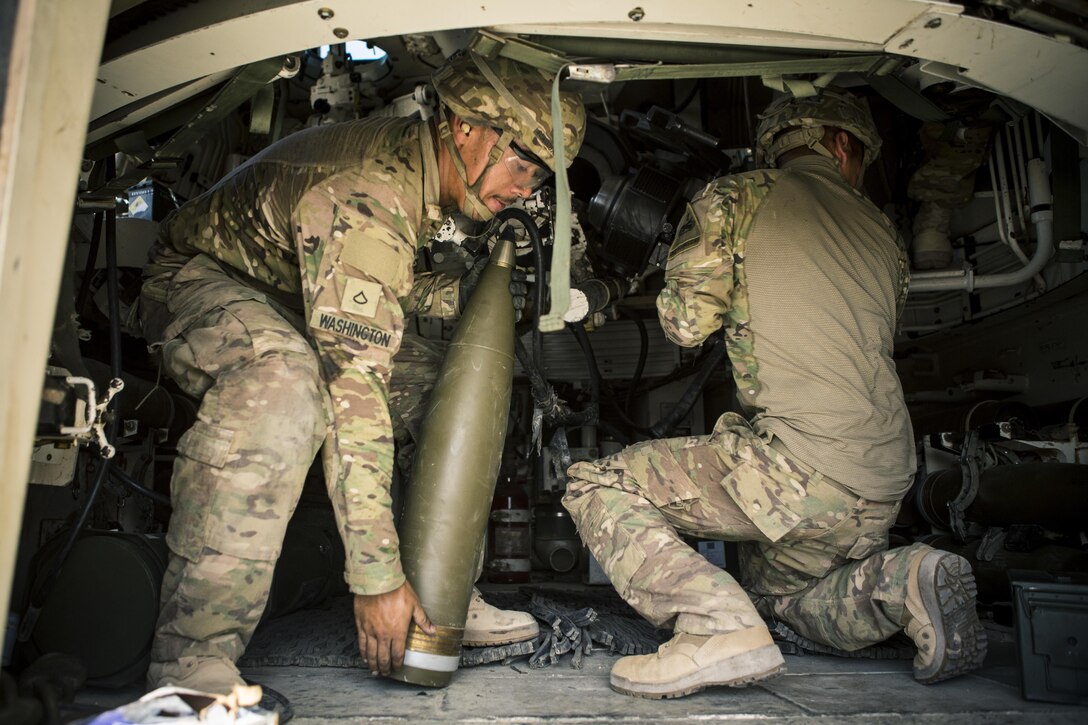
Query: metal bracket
{"points": [[970, 464], [244, 85], [598, 73], [89, 424], [992, 542], [98, 431]]}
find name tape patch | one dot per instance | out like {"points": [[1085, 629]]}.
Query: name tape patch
{"points": [[349, 328]]}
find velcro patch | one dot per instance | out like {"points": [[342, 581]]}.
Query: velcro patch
{"points": [[351, 329], [361, 297], [687, 235]]}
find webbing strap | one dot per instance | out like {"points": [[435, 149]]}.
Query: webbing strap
{"points": [[432, 190], [859, 63], [799, 88], [472, 198], [490, 45], [559, 279]]}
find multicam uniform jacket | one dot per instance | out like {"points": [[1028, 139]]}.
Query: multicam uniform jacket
{"points": [[325, 225], [808, 279]]}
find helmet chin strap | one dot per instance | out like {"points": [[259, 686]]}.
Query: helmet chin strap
{"points": [[473, 202], [810, 136]]}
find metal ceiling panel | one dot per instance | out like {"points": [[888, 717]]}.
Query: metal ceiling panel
{"points": [[207, 37], [1047, 74]]}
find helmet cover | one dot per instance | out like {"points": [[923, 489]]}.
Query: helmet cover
{"points": [[810, 116], [511, 96]]}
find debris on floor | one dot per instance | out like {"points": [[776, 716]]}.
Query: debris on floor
{"points": [[180, 706], [567, 626], [571, 623]]}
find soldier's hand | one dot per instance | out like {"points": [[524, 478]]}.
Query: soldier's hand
{"points": [[469, 280], [519, 290], [382, 623]]}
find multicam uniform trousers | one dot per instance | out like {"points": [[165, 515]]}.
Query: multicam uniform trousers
{"points": [[813, 554], [263, 417]]}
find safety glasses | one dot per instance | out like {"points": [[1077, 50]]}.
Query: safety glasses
{"points": [[527, 170]]}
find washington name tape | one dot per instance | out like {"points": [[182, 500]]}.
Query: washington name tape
{"points": [[349, 328]]}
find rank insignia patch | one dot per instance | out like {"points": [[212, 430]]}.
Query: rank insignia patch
{"points": [[361, 297]]}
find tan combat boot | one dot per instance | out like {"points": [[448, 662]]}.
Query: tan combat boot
{"points": [[205, 674], [941, 617], [488, 626], [689, 662]]}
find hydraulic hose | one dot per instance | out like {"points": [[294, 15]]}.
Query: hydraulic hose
{"points": [[579, 331], [555, 412], [88, 269], [643, 354], [121, 476], [526, 220], [714, 357]]}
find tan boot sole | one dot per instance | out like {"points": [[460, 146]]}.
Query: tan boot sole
{"points": [[950, 600], [493, 639], [754, 665]]}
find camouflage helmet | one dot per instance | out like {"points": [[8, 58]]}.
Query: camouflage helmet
{"points": [[513, 97], [832, 107]]}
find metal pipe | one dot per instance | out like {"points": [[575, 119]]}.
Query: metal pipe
{"points": [[454, 475], [1021, 195], [1054, 495], [1016, 162], [1048, 23], [1042, 216], [1002, 192], [999, 215]]}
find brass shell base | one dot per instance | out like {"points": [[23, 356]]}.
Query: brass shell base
{"points": [[444, 643]]}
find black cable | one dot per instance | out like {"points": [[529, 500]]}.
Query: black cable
{"points": [[522, 217], [88, 268], [596, 382], [597, 385], [555, 412], [643, 354], [121, 476], [713, 358], [541, 390], [578, 329], [41, 593], [715, 353], [690, 97]]}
